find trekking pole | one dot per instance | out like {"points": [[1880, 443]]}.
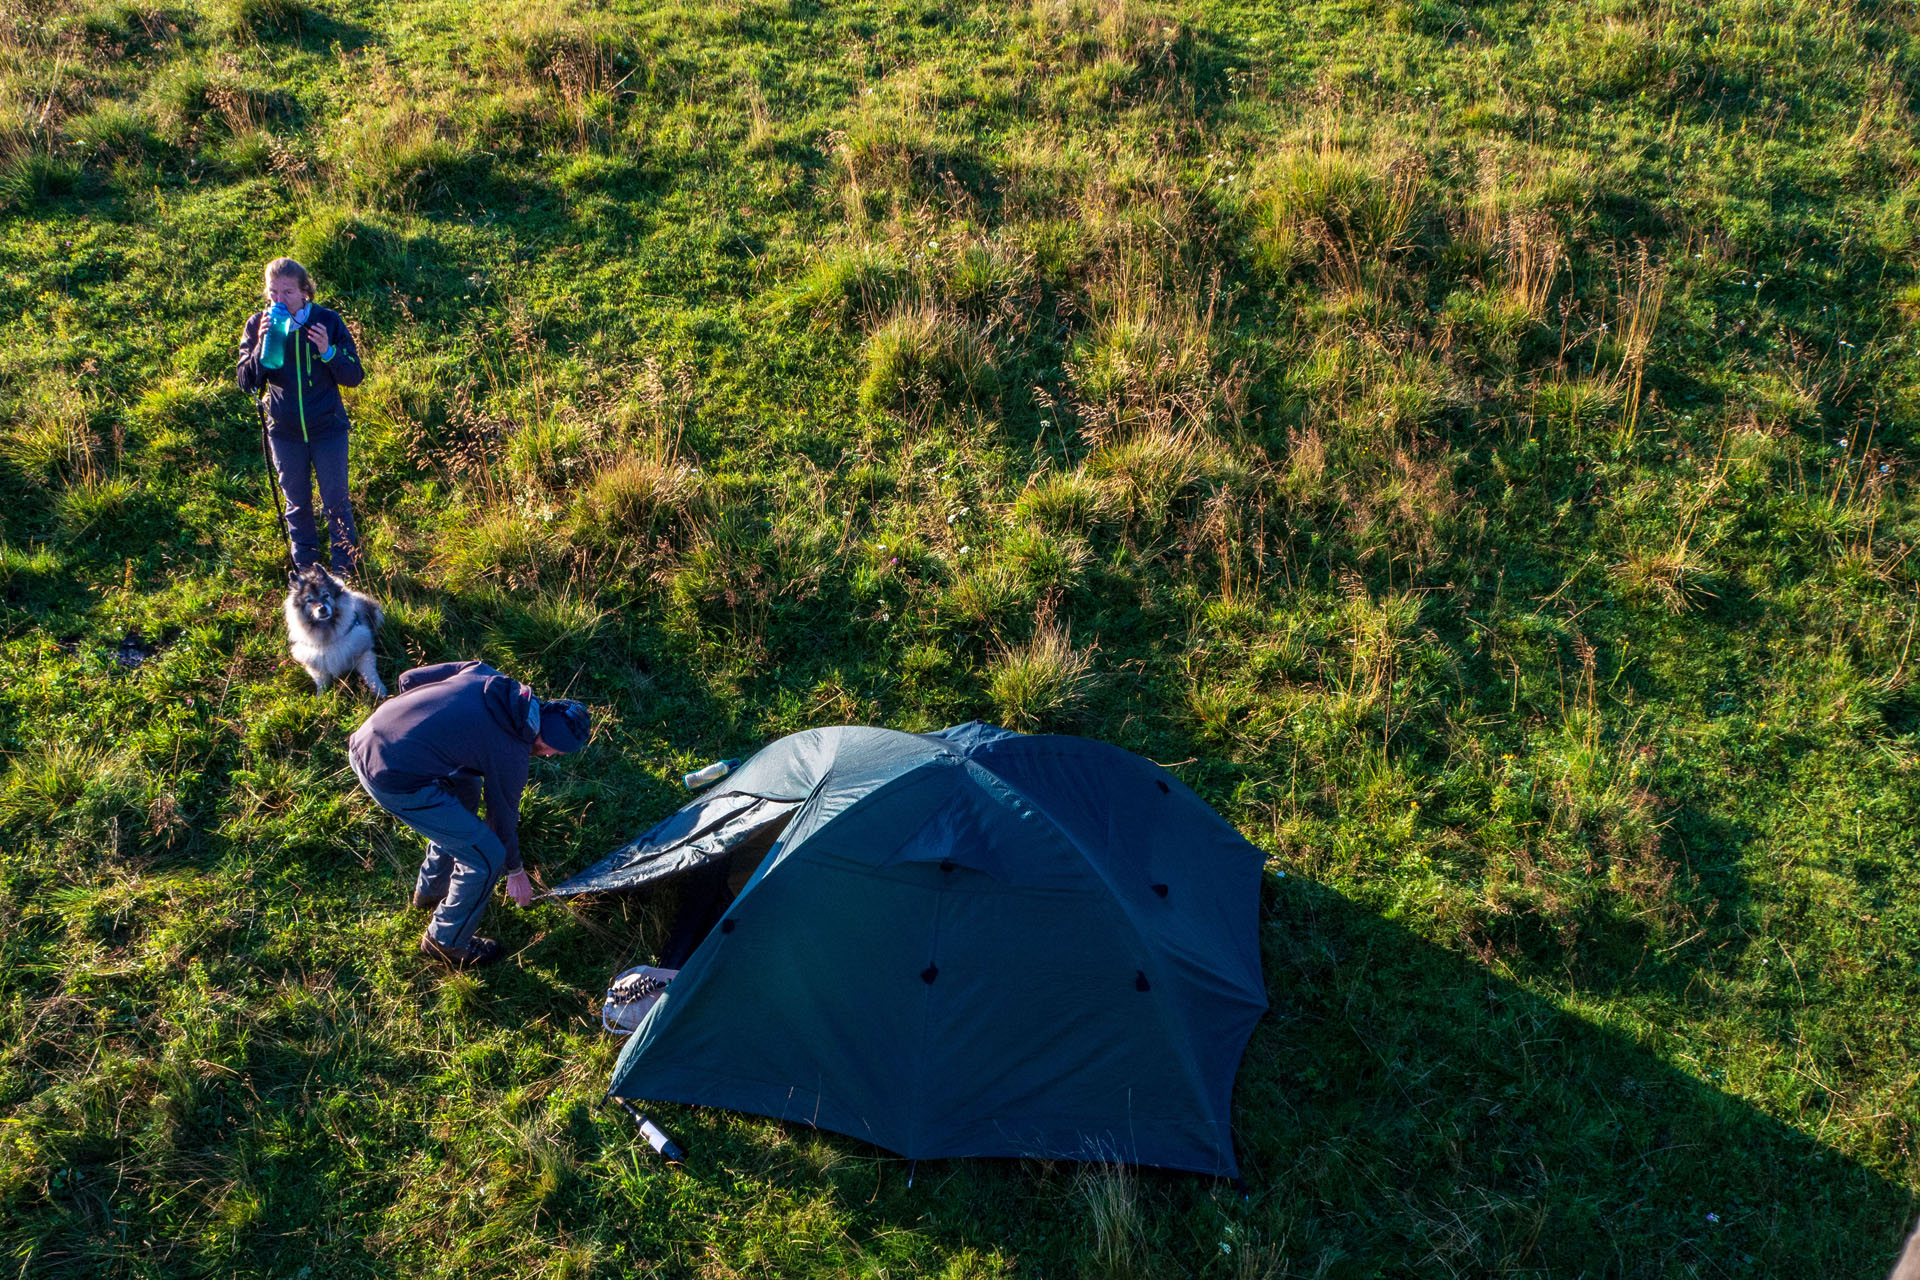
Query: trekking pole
{"points": [[273, 481]]}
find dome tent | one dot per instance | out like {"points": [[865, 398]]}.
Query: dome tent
{"points": [[965, 943]]}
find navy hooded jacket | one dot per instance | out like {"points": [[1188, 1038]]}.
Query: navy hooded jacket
{"points": [[454, 720], [303, 394]]}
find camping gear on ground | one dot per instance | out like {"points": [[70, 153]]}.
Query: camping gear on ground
{"points": [[630, 995], [710, 773], [653, 1134], [964, 943]]}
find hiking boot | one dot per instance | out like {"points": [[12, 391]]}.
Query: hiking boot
{"points": [[632, 995], [421, 902], [477, 952]]}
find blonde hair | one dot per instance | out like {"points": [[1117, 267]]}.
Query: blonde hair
{"points": [[285, 267]]}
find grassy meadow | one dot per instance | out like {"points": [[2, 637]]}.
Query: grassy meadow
{"points": [[1469, 443]]}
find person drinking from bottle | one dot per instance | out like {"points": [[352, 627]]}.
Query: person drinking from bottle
{"points": [[455, 734], [301, 354]]}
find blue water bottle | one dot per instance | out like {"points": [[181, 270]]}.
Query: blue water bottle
{"points": [[273, 350]]}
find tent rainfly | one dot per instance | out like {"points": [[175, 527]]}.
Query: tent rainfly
{"points": [[965, 943]]}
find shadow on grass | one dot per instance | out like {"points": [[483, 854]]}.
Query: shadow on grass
{"points": [[314, 30], [280, 1180], [1403, 1111], [1404, 1106]]}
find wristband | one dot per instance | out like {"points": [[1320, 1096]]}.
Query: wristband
{"points": [[327, 355]]}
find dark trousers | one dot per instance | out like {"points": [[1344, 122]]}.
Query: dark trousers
{"points": [[297, 463], [464, 858]]}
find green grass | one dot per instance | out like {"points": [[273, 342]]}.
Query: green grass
{"points": [[1469, 443]]}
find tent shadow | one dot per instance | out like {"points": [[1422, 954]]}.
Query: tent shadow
{"points": [[1404, 1106], [1402, 1110]]}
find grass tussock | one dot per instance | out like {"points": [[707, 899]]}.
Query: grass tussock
{"points": [[403, 152], [1156, 476], [921, 355], [1111, 51], [1063, 501], [50, 429], [637, 503], [1146, 363], [111, 131], [853, 286], [504, 546], [27, 180], [1342, 210], [1117, 1216], [1043, 683], [250, 21]]}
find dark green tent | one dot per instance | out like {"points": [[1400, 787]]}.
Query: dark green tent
{"points": [[965, 943]]}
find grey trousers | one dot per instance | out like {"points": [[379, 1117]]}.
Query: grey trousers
{"points": [[464, 858], [297, 464]]}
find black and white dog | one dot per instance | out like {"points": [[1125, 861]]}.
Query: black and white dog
{"points": [[330, 628]]}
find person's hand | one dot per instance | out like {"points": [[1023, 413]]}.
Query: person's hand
{"points": [[317, 335], [520, 889]]}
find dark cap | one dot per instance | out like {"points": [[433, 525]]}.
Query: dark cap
{"points": [[565, 725]]}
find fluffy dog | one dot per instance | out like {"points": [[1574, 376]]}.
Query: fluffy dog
{"points": [[330, 628]]}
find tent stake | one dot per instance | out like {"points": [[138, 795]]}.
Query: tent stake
{"points": [[911, 1166]]}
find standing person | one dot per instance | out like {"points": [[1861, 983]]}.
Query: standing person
{"points": [[302, 354], [455, 734]]}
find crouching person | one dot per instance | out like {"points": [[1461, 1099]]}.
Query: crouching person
{"points": [[456, 734]]}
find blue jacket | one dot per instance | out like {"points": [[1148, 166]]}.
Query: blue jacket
{"points": [[303, 394], [454, 720]]}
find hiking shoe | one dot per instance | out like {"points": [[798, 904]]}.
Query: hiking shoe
{"points": [[477, 952], [632, 995], [421, 902]]}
